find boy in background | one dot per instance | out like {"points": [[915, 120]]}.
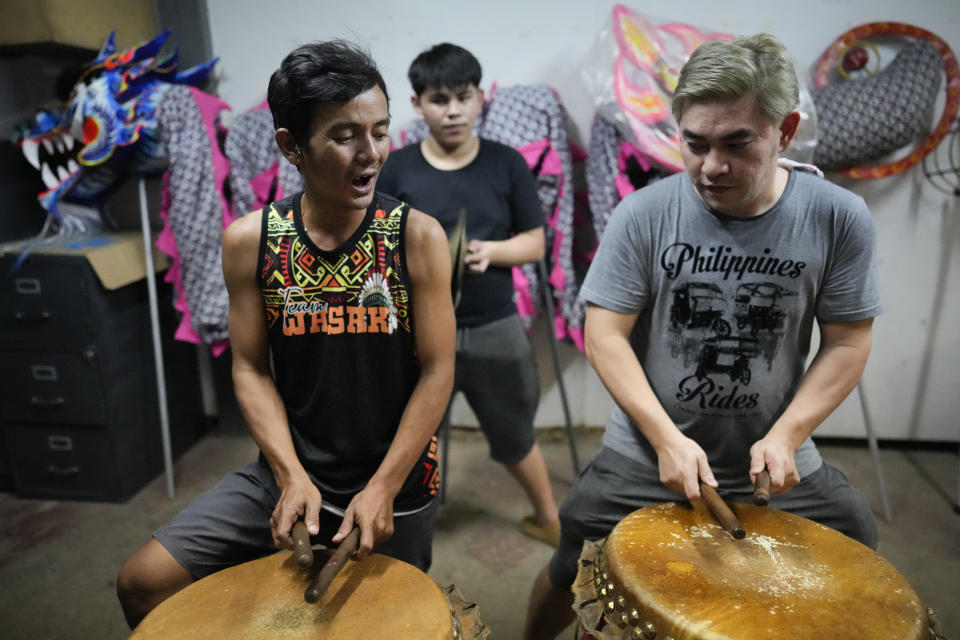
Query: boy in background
{"points": [[454, 170]]}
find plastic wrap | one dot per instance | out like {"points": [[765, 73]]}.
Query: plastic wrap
{"points": [[631, 72]]}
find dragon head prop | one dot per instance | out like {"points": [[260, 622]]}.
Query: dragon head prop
{"points": [[108, 127]]}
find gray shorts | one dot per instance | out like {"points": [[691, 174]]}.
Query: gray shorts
{"points": [[497, 373], [230, 524], [614, 486]]}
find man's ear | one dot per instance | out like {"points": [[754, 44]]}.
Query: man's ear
{"points": [[788, 129], [415, 102], [288, 146]]}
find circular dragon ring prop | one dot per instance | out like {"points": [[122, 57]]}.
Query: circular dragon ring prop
{"points": [[829, 59]]}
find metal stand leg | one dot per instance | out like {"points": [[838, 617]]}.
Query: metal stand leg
{"points": [[875, 452], [558, 374], [956, 505], [207, 390], [155, 330]]}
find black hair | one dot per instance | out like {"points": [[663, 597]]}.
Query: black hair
{"points": [[444, 66], [316, 74]]}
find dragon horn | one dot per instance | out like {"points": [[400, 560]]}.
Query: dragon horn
{"points": [[147, 49], [109, 47], [195, 75]]}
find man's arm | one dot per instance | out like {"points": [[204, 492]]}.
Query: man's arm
{"points": [[681, 460], [526, 246], [428, 263], [253, 383], [834, 372]]}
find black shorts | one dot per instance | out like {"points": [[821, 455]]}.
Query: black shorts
{"points": [[497, 373], [230, 524]]}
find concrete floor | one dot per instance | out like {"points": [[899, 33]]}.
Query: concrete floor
{"points": [[58, 560]]}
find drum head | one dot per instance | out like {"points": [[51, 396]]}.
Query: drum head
{"points": [[458, 254], [377, 598], [673, 570]]}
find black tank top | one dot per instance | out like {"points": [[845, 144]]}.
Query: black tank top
{"points": [[342, 345]]}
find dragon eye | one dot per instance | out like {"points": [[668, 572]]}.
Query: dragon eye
{"points": [[91, 130]]}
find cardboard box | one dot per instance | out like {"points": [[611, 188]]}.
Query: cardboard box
{"points": [[116, 258], [83, 24]]}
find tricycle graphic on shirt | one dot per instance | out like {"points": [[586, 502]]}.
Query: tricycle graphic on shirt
{"points": [[702, 322]]}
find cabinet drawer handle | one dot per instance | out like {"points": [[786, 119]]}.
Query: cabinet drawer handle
{"points": [[63, 471], [46, 403], [33, 317]]}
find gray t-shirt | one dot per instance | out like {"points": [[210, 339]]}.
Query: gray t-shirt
{"points": [[726, 306]]}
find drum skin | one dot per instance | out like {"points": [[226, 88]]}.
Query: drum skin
{"points": [[378, 597], [683, 576]]}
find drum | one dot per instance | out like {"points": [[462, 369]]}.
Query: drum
{"points": [[379, 597], [670, 571]]}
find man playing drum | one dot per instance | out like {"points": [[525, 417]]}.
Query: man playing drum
{"points": [[719, 402], [342, 333]]}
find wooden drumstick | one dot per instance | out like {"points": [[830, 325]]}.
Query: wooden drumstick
{"points": [[301, 545], [330, 570], [721, 511], [761, 490]]}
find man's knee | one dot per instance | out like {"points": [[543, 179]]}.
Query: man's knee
{"points": [[147, 578]]}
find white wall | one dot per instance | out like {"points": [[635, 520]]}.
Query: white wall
{"points": [[913, 378]]}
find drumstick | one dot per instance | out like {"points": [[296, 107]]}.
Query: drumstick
{"points": [[721, 511], [330, 570], [301, 545], [761, 490]]}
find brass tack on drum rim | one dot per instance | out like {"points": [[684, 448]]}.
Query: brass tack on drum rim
{"points": [[603, 592], [649, 631], [611, 587], [634, 616], [623, 621], [636, 634], [621, 603]]}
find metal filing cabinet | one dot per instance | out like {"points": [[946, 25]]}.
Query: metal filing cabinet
{"points": [[78, 399]]}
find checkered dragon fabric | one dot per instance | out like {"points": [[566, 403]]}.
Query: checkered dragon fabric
{"points": [[197, 211], [258, 172], [861, 121]]}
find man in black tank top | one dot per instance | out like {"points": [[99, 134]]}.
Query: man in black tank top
{"points": [[348, 291]]}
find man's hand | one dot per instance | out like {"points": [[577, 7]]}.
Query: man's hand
{"points": [[478, 256], [299, 497], [682, 465], [372, 511], [777, 457]]}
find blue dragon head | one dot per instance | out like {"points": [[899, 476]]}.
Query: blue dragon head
{"points": [[108, 128]]}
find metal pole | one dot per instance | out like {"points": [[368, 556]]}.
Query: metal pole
{"points": [[875, 452], [558, 374], [155, 330]]}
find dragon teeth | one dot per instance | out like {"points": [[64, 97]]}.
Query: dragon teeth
{"points": [[48, 145], [31, 151], [62, 173], [48, 178], [68, 141], [72, 166]]}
